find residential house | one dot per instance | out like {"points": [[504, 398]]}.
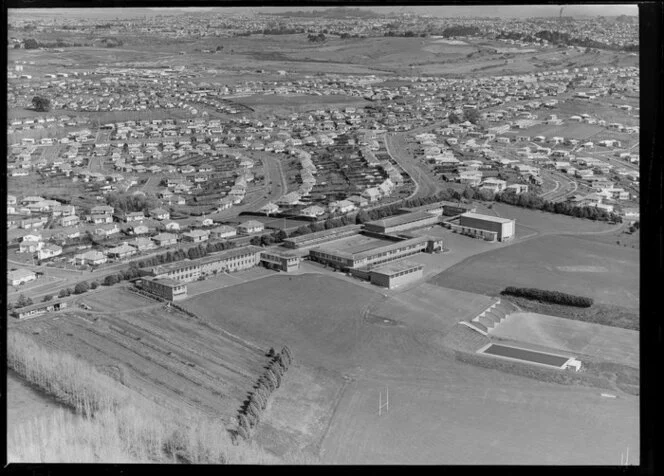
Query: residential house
{"points": [[49, 251], [91, 258], [107, 230], [195, 236], [312, 211], [165, 239], [20, 276], [121, 252], [223, 231], [160, 214], [143, 244], [69, 220], [249, 227]]}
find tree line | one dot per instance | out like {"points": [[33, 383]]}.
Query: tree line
{"points": [[543, 295], [532, 201], [192, 253], [250, 411]]}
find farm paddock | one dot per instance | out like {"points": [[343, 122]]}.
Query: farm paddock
{"points": [[158, 351]]}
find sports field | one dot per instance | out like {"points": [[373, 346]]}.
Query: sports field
{"points": [[546, 223], [606, 273], [441, 410], [609, 343], [466, 415]]}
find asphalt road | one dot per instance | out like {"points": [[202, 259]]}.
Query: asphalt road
{"points": [[425, 185]]}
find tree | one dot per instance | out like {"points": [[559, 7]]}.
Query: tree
{"points": [[62, 293], [81, 287], [362, 217], [453, 118], [94, 285], [47, 298], [23, 301], [280, 236], [41, 104], [472, 115], [111, 279], [256, 241], [30, 44]]}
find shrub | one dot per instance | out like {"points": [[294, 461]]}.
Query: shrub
{"points": [[81, 287], [111, 279], [62, 293], [94, 285], [554, 297]]}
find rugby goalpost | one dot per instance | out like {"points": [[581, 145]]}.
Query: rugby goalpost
{"points": [[624, 459], [385, 405]]}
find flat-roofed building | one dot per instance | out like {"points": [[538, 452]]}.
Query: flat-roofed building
{"points": [[166, 288], [281, 260], [318, 237], [404, 222], [396, 274], [39, 308], [230, 260], [226, 261], [475, 223], [384, 254]]}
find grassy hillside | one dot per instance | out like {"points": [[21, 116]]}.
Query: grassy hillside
{"points": [[116, 425]]}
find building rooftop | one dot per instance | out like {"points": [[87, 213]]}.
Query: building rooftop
{"points": [[479, 216], [20, 273], [165, 281], [402, 219], [397, 267], [374, 251]]}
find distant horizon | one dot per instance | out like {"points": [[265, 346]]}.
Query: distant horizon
{"points": [[449, 11]]}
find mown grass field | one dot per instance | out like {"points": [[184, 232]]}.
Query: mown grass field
{"points": [[431, 307], [606, 273], [546, 223], [467, 415], [441, 410]]}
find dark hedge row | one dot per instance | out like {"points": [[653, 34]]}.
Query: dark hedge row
{"points": [[250, 412], [554, 297]]}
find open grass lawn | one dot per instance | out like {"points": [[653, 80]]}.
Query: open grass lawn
{"points": [[114, 298], [606, 273], [468, 415], [441, 411], [317, 316], [431, 307], [545, 222], [568, 130], [595, 340]]}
